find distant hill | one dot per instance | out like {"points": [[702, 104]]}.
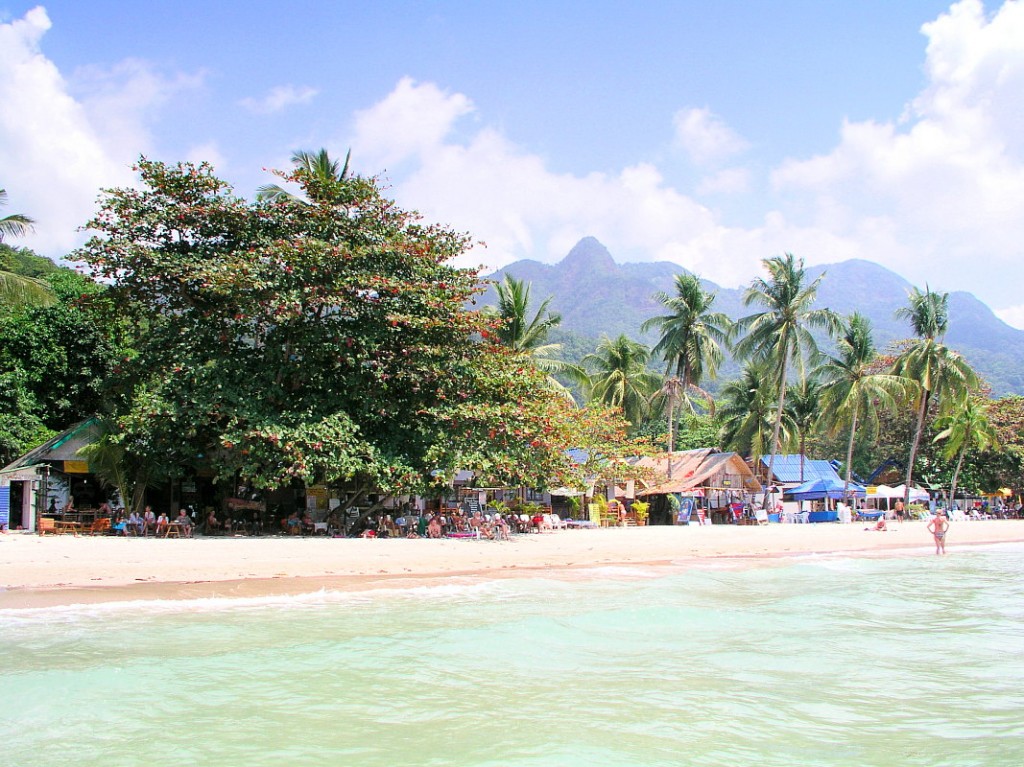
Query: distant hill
{"points": [[597, 296]]}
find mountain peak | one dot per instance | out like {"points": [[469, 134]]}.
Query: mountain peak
{"points": [[589, 254]]}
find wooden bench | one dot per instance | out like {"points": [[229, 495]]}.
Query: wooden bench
{"points": [[47, 525]]}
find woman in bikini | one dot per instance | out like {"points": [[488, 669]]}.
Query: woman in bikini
{"points": [[938, 526]]}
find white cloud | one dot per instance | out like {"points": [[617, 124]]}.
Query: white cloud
{"points": [[705, 137], [940, 191], [1012, 315], [280, 97], [208, 152], [726, 181], [57, 150]]}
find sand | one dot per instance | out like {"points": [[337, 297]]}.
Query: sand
{"points": [[51, 570]]}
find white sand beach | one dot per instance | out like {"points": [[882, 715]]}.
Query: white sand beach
{"points": [[39, 571]]}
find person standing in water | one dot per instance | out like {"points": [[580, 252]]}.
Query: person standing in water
{"points": [[938, 526]]}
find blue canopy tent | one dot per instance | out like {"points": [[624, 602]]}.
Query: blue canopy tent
{"points": [[820, 489]]}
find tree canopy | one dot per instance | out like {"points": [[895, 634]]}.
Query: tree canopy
{"points": [[321, 338]]}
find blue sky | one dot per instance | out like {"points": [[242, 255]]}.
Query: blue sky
{"points": [[709, 134]]}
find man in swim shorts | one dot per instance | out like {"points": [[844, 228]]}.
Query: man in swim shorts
{"points": [[938, 526]]}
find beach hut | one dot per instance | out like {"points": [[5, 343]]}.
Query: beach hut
{"points": [[720, 479], [47, 477]]}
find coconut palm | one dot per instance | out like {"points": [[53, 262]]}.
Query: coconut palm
{"points": [[938, 372], [746, 412], [17, 289], [318, 174], [620, 377], [521, 332], [852, 388], [964, 429], [781, 333], [804, 405], [692, 337]]}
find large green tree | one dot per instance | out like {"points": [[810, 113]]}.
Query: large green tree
{"points": [[853, 389], [692, 338], [298, 338], [939, 373], [781, 334]]}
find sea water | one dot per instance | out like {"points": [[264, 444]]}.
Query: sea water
{"points": [[914, 660]]}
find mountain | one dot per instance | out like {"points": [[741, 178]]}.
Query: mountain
{"points": [[598, 296]]}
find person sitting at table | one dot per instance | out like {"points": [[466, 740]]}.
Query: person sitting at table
{"points": [[307, 524], [213, 524], [134, 524], [292, 524], [120, 524], [161, 524], [148, 521], [184, 523]]}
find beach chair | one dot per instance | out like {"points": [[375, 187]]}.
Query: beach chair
{"points": [[558, 523]]}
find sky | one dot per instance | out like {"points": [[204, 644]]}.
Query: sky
{"points": [[713, 135]]}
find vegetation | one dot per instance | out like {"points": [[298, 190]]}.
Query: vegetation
{"points": [[938, 373], [319, 338], [692, 338], [781, 334], [319, 334]]}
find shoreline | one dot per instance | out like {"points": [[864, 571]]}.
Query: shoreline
{"points": [[44, 572]]}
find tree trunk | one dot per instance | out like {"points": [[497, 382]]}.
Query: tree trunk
{"points": [[778, 413], [956, 476], [849, 456], [913, 448], [671, 439]]}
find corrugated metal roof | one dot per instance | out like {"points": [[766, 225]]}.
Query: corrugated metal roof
{"points": [[787, 469]]}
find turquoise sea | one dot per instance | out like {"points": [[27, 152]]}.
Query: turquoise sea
{"points": [[915, 660]]}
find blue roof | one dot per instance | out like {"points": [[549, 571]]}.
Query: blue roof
{"points": [[787, 469]]}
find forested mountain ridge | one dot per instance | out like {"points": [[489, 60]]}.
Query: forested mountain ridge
{"points": [[597, 296]]}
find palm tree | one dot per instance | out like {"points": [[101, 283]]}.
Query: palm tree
{"points": [[804, 404], [938, 372], [621, 378], [529, 335], [965, 428], [17, 289], [746, 412], [318, 173], [781, 334], [692, 336], [852, 388]]}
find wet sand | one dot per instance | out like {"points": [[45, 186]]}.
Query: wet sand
{"points": [[57, 570]]}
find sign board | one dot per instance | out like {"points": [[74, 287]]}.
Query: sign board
{"points": [[5, 507], [76, 467]]}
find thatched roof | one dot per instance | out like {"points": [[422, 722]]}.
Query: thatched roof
{"points": [[706, 468]]}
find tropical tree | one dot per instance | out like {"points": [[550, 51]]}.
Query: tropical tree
{"points": [[692, 337], [526, 334], [781, 334], [319, 174], [17, 289], [939, 373], [853, 389], [747, 412], [305, 341], [619, 377], [965, 428], [804, 404]]}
